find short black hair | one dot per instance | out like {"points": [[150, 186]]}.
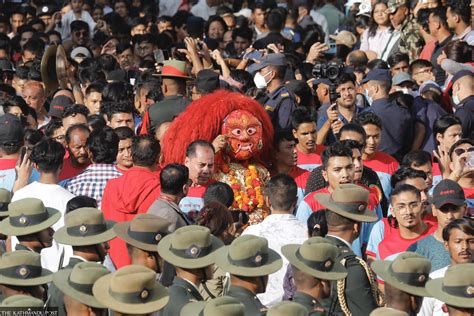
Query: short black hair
{"points": [[80, 201], [419, 63], [103, 144], [417, 158], [442, 123], [52, 126], [282, 192], [71, 129], [461, 8], [300, 116], [345, 77], [96, 121], [405, 188], [465, 225], [34, 45], [215, 18], [191, 149], [335, 150], [459, 143], [368, 117], [274, 21], [145, 150], [96, 86], [74, 110], [79, 25], [440, 13], [173, 177], [352, 144], [219, 192], [353, 127], [377, 64], [48, 155], [243, 32], [397, 58], [111, 108], [404, 173], [282, 135], [124, 132], [89, 75]]}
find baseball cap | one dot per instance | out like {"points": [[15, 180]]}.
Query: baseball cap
{"points": [[81, 50], [401, 77], [378, 74], [270, 59], [430, 86], [460, 74], [448, 192], [345, 38], [47, 9], [11, 131], [58, 104], [207, 81], [6, 65], [393, 5]]}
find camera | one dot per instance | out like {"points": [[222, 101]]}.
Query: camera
{"points": [[331, 70]]}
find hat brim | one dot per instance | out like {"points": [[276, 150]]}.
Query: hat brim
{"points": [[45, 278], [381, 268], [435, 289], [453, 201], [7, 229], [60, 279], [391, 10], [101, 292], [274, 264], [193, 263], [62, 237], [172, 76], [366, 216], [193, 308], [337, 272], [121, 229]]}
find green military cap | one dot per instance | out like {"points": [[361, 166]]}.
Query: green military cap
{"points": [[174, 69], [387, 311], [350, 201], [5, 199], [23, 268], [85, 226], [28, 216], [144, 231], [317, 257], [249, 256], [132, 289], [78, 281], [457, 286], [409, 272], [393, 5], [189, 247], [22, 301], [288, 308], [219, 306]]}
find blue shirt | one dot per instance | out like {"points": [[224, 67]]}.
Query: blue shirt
{"points": [[331, 138], [280, 105], [432, 249]]}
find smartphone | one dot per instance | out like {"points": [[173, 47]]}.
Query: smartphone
{"points": [[332, 49], [256, 54], [159, 56]]}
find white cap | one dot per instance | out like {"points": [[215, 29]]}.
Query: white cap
{"points": [[80, 51]]}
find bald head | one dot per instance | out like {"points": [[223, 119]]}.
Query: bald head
{"points": [[357, 58], [463, 87]]}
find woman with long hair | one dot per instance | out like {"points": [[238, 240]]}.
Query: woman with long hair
{"points": [[377, 36]]}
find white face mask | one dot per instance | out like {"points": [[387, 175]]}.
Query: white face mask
{"points": [[367, 97], [456, 99], [260, 81]]}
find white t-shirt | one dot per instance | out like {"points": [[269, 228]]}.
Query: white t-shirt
{"points": [[55, 196], [432, 306]]}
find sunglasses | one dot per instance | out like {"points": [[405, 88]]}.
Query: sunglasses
{"points": [[460, 151]]}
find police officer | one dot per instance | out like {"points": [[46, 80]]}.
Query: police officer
{"points": [[314, 264], [190, 249], [405, 279], [249, 262], [346, 209], [279, 102]]}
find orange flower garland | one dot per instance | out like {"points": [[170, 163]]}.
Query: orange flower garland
{"points": [[247, 197]]}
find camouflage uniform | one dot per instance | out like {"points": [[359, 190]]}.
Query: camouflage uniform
{"points": [[410, 39]]}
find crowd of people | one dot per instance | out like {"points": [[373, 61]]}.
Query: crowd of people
{"points": [[213, 157]]}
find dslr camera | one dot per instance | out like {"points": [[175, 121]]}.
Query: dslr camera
{"points": [[331, 70]]}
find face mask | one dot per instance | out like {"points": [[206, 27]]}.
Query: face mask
{"points": [[260, 81], [456, 99], [408, 91], [367, 97]]}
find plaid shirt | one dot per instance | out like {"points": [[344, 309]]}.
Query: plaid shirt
{"points": [[91, 182]]}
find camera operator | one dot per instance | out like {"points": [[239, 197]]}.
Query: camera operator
{"points": [[339, 113]]}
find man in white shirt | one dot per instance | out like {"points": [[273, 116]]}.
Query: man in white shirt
{"points": [[76, 13], [280, 228], [458, 239], [47, 157], [205, 8]]}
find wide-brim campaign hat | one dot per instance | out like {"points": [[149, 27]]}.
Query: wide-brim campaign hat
{"points": [[189, 247], [248, 256], [174, 69], [317, 257], [23, 268], [350, 201], [5, 199], [224, 305], [387, 311], [28, 216], [132, 289], [456, 288], [144, 231], [287, 308], [25, 301], [78, 281], [85, 226], [409, 273]]}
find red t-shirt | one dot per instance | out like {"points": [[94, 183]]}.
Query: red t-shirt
{"points": [[310, 161], [69, 171], [382, 162], [469, 194], [300, 176]]}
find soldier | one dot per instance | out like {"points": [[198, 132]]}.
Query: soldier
{"points": [[456, 289], [346, 209], [87, 232], [405, 279], [387, 311], [288, 308], [5, 199], [314, 264], [142, 235], [249, 262], [76, 286], [190, 250], [224, 305], [21, 273], [142, 294], [21, 301], [30, 221]]}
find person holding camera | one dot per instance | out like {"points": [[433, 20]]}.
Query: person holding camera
{"points": [[339, 113]]}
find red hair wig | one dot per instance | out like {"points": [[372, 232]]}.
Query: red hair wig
{"points": [[203, 119]]}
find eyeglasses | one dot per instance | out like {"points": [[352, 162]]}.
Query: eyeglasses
{"points": [[410, 206], [460, 151], [81, 33]]}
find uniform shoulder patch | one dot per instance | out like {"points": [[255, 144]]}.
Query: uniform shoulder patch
{"points": [[285, 94], [269, 108]]}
